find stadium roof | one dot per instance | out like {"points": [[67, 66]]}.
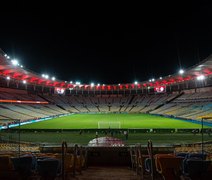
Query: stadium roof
{"points": [[15, 72]]}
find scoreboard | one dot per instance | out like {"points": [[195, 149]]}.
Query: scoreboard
{"points": [[160, 89], [59, 90]]}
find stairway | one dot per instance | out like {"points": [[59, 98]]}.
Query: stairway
{"points": [[108, 173]]}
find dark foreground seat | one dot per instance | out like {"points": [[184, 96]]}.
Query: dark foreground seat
{"points": [[48, 168]]}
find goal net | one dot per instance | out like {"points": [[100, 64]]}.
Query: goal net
{"points": [[109, 124]]}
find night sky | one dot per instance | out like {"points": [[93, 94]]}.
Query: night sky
{"points": [[110, 47]]}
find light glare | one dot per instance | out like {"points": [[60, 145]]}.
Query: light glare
{"points": [[200, 77], [181, 71], [14, 62]]}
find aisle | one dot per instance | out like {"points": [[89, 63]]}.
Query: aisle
{"points": [[108, 173]]}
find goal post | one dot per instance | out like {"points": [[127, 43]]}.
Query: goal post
{"points": [[109, 124]]}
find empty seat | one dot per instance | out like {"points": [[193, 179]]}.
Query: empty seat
{"points": [[23, 165], [48, 168], [195, 168]]}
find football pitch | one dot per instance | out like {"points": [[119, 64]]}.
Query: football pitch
{"points": [[116, 121]]}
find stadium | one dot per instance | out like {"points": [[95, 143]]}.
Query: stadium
{"points": [[106, 124]]}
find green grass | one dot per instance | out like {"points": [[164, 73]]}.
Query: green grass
{"points": [[85, 137], [90, 121]]}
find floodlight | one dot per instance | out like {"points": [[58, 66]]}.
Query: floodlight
{"points": [[24, 81], [77, 83], [5, 55], [47, 76], [22, 66], [160, 78], [8, 57], [181, 71], [135, 82], [150, 80], [98, 84], [153, 79], [53, 78], [71, 82], [14, 62], [92, 84], [8, 77]]}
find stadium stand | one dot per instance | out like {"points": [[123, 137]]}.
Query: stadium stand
{"points": [[184, 97], [189, 105]]}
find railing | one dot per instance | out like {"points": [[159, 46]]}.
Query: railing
{"points": [[150, 152]]}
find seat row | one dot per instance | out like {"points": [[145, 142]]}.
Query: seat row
{"points": [[170, 166], [44, 165]]}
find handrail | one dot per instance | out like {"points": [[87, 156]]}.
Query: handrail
{"points": [[150, 152], [64, 151], [75, 159]]}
